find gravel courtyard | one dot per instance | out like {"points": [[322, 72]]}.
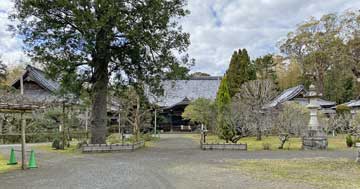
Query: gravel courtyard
{"points": [[173, 162]]}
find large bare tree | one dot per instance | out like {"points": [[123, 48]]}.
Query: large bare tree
{"points": [[254, 95]]}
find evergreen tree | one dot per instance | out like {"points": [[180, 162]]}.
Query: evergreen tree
{"points": [[240, 70], [102, 42], [223, 99], [265, 68]]}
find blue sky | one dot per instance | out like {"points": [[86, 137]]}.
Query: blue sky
{"points": [[218, 27]]}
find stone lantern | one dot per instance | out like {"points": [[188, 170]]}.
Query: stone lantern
{"points": [[315, 137]]}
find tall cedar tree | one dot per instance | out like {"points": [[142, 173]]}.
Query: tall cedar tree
{"points": [[265, 68], [223, 101], [240, 70], [93, 41]]}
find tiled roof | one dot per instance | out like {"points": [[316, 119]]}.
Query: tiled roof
{"points": [[292, 94], [176, 91], [39, 77], [286, 95], [353, 103], [319, 102]]}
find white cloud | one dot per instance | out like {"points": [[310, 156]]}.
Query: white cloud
{"points": [[256, 25], [10, 47], [218, 27]]}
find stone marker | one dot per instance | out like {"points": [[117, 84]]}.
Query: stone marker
{"points": [[315, 138]]}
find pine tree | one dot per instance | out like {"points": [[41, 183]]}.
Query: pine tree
{"points": [[265, 68], [240, 70]]}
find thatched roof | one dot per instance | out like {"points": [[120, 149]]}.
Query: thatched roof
{"points": [[11, 101], [175, 91]]}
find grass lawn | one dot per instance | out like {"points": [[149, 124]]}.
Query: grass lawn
{"points": [[4, 167], [71, 150], [320, 172], [152, 142], [335, 143]]}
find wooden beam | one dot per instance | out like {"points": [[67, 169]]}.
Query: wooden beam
{"points": [[22, 85], [15, 111]]}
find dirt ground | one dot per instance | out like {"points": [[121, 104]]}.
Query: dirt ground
{"points": [[173, 162]]}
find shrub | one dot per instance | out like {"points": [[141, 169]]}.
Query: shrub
{"points": [[113, 139], [342, 109], [79, 144], [349, 141], [147, 137], [266, 146], [57, 144]]}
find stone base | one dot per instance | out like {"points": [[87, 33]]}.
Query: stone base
{"points": [[314, 143]]}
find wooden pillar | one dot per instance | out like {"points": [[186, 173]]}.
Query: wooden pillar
{"points": [[63, 126], [22, 85], [23, 140], [1, 127], [119, 123], [23, 127], [86, 119], [155, 122]]}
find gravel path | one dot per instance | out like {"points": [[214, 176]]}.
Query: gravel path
{"points": [[174, 162]]}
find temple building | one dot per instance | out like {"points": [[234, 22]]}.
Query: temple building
{"points": [[177, 95], [36, 85], [298, 94]]}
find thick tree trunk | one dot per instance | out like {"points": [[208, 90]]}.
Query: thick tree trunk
{"points": [[258, 132], [99, 111], [137, 119]]}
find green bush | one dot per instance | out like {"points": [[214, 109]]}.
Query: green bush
{"points": [[342, 109], [79, 144], [349, 141], [266, 146], [56, 144], [60, 144], [113, 139], [147, 137]]}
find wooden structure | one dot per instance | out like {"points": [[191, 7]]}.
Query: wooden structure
{"points": [[36, 86], [177, 95], [22, 107], [175, 122]]}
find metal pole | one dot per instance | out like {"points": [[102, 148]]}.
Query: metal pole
{"points": [[23, 140]]}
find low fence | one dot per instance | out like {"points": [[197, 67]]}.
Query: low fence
{"points": [[314, 143], [206, 146], [89, 148]]}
